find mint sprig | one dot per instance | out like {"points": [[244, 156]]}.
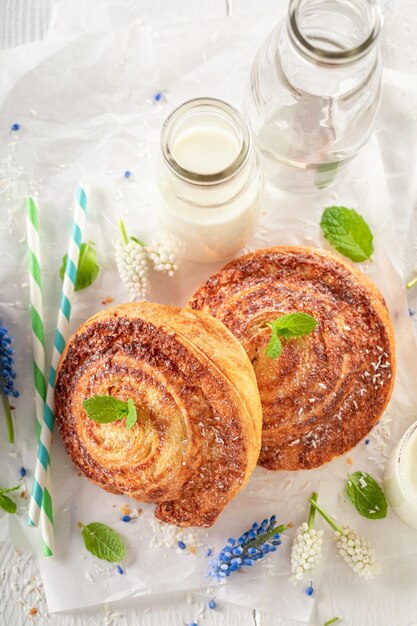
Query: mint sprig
{"points": [[103, 542], [132, 416], [366, 495], [346, 230], [107, 409], [288, 327], [7, 503], [274, 347], [88, 267]]}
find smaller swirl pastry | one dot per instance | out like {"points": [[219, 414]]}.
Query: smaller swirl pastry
{"points": [[327, 390], [198, 434]]}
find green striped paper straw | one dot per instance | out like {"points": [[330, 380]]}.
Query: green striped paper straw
{"points": [[36, 306], [61, 335]]}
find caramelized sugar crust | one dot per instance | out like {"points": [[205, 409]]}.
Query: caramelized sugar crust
{"points": [[328, 389], [198, 434]]}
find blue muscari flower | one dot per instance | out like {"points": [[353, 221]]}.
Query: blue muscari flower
{"points": [[253, 545], [159, 96], [14, 127], [7, 378], [181, 545], [310, 590], [212, 604], [126, 518], [119, 569], [127, 174], [22, 472]]}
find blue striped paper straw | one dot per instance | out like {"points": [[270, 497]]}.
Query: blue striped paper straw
{"points": [[61, 335]]}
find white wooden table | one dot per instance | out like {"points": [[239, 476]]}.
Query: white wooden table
{"points": [[22, 21]]}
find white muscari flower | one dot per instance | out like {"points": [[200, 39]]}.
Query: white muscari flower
{"points": [[306, 551], [132, 265], [306, 547], [164, 254], [133, 257], [356, 552], [353, 548]]}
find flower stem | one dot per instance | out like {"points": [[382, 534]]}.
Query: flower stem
{"points": [[260, 539], [324, 515], [124, 233], [8, 414], [312, 513], [412, 282], [139, 241], [332, 621]]}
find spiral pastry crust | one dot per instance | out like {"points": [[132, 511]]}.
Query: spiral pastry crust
{"points": [[328, 389], [198, 434]]}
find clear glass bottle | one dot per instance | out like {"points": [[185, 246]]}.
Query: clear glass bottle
{"points": [[209, 181], [314, 91]]}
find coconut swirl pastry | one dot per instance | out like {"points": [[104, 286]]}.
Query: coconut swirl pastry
{"points": [[328, 389], [198, 434]]}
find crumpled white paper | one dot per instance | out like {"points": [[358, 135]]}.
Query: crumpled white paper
{"points": [[86, 108]]}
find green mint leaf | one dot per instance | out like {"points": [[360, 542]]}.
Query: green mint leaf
{"points": [[274, 347], [9, 489], [105, 409], [294, 325], [366, 495], [7, 504], [104, 542], [88, 267], [132, 416], [348, 232], [288, 327]]}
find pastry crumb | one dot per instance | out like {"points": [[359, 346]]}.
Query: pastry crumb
{"points": [[107, 300], [125, 509], [33, 611], [349, 460]]}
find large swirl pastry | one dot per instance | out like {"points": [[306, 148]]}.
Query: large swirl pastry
{"points": [[198, 434], [327, 390]]}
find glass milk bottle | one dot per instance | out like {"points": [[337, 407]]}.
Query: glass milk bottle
{"points": [[209, 180], [314, 91], [401, 477]]}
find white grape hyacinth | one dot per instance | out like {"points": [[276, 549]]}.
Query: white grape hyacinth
{"points": [[356, 552], [306, 551], [352, 547], [132, 265], [164, 254]]}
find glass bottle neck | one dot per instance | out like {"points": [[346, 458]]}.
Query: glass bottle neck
{"points": [[205, 141], [334, 32], [329, 47]]}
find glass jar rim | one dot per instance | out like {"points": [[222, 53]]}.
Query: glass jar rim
{"points": [[195, 177], [402, 445], [333, 57]]}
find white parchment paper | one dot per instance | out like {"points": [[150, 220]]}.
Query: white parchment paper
{"points": [[85, 101]]}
